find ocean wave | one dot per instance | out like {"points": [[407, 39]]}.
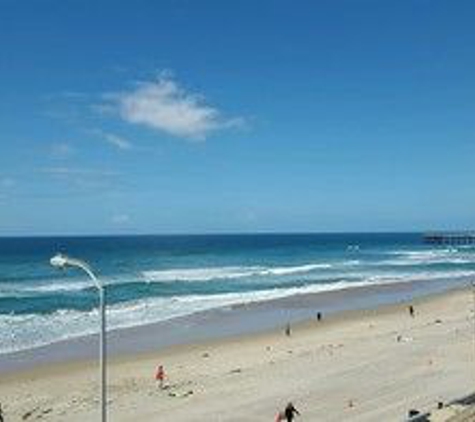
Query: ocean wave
{"points": [[428, 257], [31, 290], [25, 331], [424, 261], [20, 332], [220, 273], [425, 253], [61, 287], [401, 277], [64, 285], [19, 290]]}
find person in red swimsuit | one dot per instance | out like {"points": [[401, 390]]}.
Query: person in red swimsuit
{"points": [[160, 376]]}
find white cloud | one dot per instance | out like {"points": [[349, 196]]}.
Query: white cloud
{"points": [[165, 106], [117, 141]]}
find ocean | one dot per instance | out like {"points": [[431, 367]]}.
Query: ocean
{"points": [[156, 278]]}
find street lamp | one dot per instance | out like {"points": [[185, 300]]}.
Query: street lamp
{"points": [[63, 261]]}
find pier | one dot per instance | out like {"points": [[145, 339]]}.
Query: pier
{"points": [[450, 238]]}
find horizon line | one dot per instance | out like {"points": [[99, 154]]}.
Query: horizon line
{"points": [[230, 233]]}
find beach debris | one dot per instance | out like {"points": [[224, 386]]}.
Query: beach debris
{"points": [[180, 390], [160, 376], [404, 339], [235, 371], [205, 355], [180, 394], [29, 413], [438, 321], [351, 403]]}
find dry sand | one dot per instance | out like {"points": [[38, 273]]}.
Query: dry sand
{"points": [[369, 365]]}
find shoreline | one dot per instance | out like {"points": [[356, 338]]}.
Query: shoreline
{"points": [[234, 321], [365, 365]]}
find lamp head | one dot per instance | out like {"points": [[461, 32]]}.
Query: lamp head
{"points": [[59, 261]]}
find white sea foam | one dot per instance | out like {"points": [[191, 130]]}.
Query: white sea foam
{"points": [[200, 274], [294, 270], [424, 261], [427, 257], [19, 332], [18, 290], [220, 273], [164, 276], [60, 287]]}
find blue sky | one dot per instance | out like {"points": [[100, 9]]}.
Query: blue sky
{"points": [[211, 116]]}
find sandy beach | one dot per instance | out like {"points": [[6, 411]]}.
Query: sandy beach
{"points": [[364, 365]]}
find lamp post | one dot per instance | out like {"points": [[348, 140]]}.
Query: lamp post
{"points": [[63, 261]]}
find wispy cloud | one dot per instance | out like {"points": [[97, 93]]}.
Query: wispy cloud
{"points": [[165, 106], [117, 141], [68, 171]]}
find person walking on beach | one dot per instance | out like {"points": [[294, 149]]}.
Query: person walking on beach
{"points": [[290, 411], [411, 311], [287, 330], [159, 376]]}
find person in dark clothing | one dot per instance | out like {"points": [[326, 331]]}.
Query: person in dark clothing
{"points": [[319, 316], [411, 310], [1, 414], [290, 412]]}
